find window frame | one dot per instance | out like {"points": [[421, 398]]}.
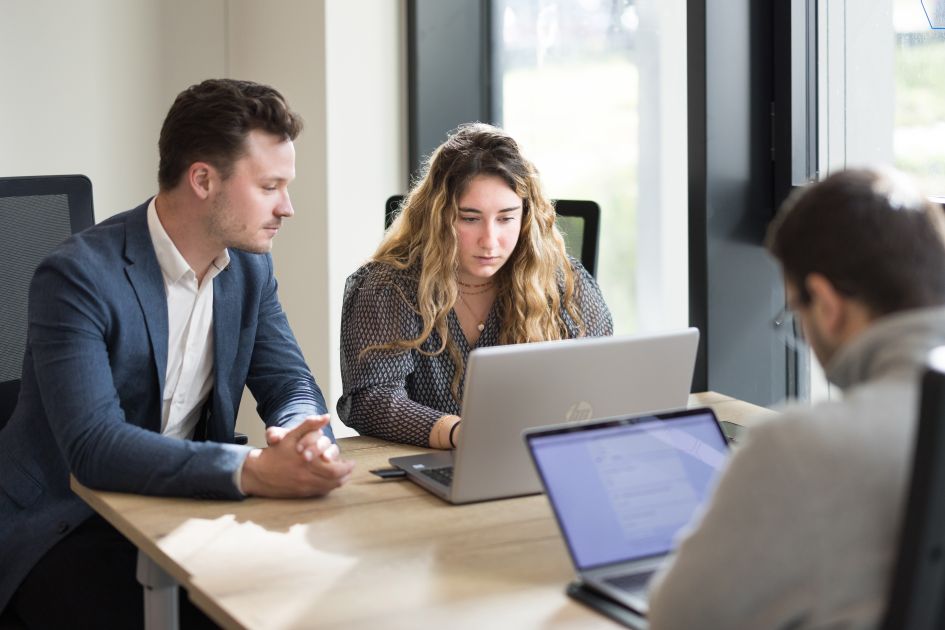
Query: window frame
{"points": [[742, 122]]}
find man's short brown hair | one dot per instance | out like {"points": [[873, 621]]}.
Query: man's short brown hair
{"points": [[870, 233], [209, 122]]}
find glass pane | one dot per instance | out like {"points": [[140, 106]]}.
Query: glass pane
{"points": [[595, 91], [572, 229], [882, 87], [919, 137]]}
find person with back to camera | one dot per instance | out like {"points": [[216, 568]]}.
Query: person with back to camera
{"points": [[802, 529], [474, 259]]}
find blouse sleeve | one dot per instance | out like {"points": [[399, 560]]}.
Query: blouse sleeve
{"points": [[374, 400], [590, 303]]}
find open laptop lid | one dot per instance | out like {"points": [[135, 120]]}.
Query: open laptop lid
{"points": [[511, 388], [622, 488]]}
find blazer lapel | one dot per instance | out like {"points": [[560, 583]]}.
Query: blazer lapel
{"points": [[227, 307], [144, 273]]}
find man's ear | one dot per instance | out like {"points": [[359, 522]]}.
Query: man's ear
{"points": [[201, 179], [827, 304]]}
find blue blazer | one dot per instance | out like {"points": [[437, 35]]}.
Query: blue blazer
{"points": [[93, 375]]}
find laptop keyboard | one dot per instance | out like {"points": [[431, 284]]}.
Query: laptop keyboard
{"points": [[630, 583], [441, 475]]}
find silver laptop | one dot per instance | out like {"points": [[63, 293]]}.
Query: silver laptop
{"points": [[623, 488], [512, 388]]}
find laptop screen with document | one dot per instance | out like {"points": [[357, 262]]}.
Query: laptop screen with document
{"points": [[622, 488]]}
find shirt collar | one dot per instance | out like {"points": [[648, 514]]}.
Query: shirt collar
{"points": [[173, 264]]}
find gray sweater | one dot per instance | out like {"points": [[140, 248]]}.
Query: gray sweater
{"points": [[802, 530]]}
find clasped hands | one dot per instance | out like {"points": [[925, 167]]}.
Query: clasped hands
{"points": [[298, 462]]}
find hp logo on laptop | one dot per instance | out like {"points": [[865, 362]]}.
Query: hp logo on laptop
{"points": [[581, 410]]}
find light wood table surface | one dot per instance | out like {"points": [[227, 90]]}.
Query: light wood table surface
{"points": [[374, 554]]}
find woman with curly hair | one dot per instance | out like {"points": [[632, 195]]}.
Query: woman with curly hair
{"points": [[473, 259]]}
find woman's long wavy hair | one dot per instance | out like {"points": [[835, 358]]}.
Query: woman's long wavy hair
{"points": [[532, 286]]}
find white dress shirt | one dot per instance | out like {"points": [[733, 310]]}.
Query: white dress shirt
{"points": [[189, 376]]}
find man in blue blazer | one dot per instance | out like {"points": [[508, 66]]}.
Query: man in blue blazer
{"points": [[143, 331]]}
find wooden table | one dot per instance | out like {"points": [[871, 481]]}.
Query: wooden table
{"points": [[374, 554]]}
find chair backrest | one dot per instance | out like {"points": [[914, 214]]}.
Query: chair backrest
{"points": [[36, 215], [579, 222], [917, 588]]}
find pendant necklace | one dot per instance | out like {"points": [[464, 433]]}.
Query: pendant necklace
{"points": [[482, 320]]}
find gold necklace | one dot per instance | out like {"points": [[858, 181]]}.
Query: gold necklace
{"points": [[482, 320], [474, 286], [479, 292]]}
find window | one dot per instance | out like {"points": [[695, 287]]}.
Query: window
{"points": [[881, 94], [595, 91], [919, 125], [884, 90]]}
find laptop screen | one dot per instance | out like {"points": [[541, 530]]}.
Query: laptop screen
{"points": [[622, 489]]}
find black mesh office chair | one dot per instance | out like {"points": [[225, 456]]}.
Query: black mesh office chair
{"points": [[579, 221], [36, 214], [917, 595]]}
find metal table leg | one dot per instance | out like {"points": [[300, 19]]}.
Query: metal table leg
{"points": [[160, 595]]}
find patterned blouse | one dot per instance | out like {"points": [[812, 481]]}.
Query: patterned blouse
{"points": [[399, 396]]}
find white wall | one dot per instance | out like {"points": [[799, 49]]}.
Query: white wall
{"points": [[367, 113], [86, 86], [345, 77], [267, 45]]}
